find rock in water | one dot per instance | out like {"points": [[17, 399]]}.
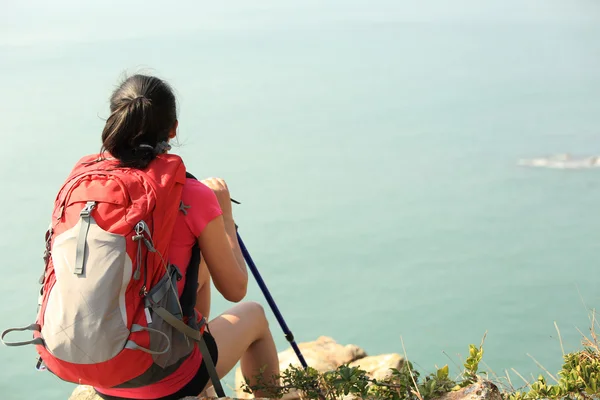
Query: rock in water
{"points": [[562, 161]]}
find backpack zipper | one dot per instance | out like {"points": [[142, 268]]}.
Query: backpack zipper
{"points": [[75, 180]]}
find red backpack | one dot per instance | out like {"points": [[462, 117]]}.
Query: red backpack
{"points": [[109, 312]]}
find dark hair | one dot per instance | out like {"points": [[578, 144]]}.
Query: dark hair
{"points": [[142, 113]]}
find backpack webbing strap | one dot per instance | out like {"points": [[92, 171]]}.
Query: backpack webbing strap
{"points": [[197, 337], [82, 237], [134, 346], [210, 367], [32, 327]]}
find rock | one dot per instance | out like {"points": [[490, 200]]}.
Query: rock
{"points": [[82, 392], [323, 354], [481, 390], [378, 367]]}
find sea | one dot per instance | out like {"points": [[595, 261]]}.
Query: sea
{"points": [[375, 148]]}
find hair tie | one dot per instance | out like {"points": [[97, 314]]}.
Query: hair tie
{"points": [[141, 99], [160, 148]]}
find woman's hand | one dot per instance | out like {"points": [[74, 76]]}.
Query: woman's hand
{"points": [[220, 247], [219, 187]]}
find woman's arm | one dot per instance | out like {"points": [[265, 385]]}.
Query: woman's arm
{"points": [[221, 250]]}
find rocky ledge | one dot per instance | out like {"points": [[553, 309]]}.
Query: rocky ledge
{"points": [[326, 354]]}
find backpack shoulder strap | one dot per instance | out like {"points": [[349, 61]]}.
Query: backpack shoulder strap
{"points": [[188, 301]]}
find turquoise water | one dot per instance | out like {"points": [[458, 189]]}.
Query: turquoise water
{"points": [[373, 146]]}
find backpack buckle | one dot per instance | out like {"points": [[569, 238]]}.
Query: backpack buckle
{"points": [[87, 210], [40, 365]]}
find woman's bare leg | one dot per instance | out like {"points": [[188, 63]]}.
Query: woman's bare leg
{"points": [[242, 334]]}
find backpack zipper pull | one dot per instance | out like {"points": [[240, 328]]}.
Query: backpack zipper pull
{"points": [[138, 237], [137, 273], [148, 316]]}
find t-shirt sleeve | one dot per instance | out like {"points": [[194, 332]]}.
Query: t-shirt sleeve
{"points": [[203, 205]]}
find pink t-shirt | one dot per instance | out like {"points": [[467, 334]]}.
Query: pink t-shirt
{"points": [[204, 207]]}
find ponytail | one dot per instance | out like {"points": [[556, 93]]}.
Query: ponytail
{"points": [[143, 112]]}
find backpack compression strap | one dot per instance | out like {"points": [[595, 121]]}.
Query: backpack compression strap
{"points": [[197, 337]]}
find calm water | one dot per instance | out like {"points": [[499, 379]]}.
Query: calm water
{"points": [[373, 146]]}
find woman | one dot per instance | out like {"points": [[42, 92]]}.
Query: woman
{"points": [[143, 120]]}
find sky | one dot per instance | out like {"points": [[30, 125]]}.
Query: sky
{"points": [[38, 22]]}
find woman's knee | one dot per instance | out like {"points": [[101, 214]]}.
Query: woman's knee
{"points": [[257, 312]]}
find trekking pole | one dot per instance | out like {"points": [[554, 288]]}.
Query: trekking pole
{"points": [[288, 334]]}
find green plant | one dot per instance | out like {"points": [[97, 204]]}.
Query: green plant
{"points": [[472, 365], [401, 384], [579, 379]]}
